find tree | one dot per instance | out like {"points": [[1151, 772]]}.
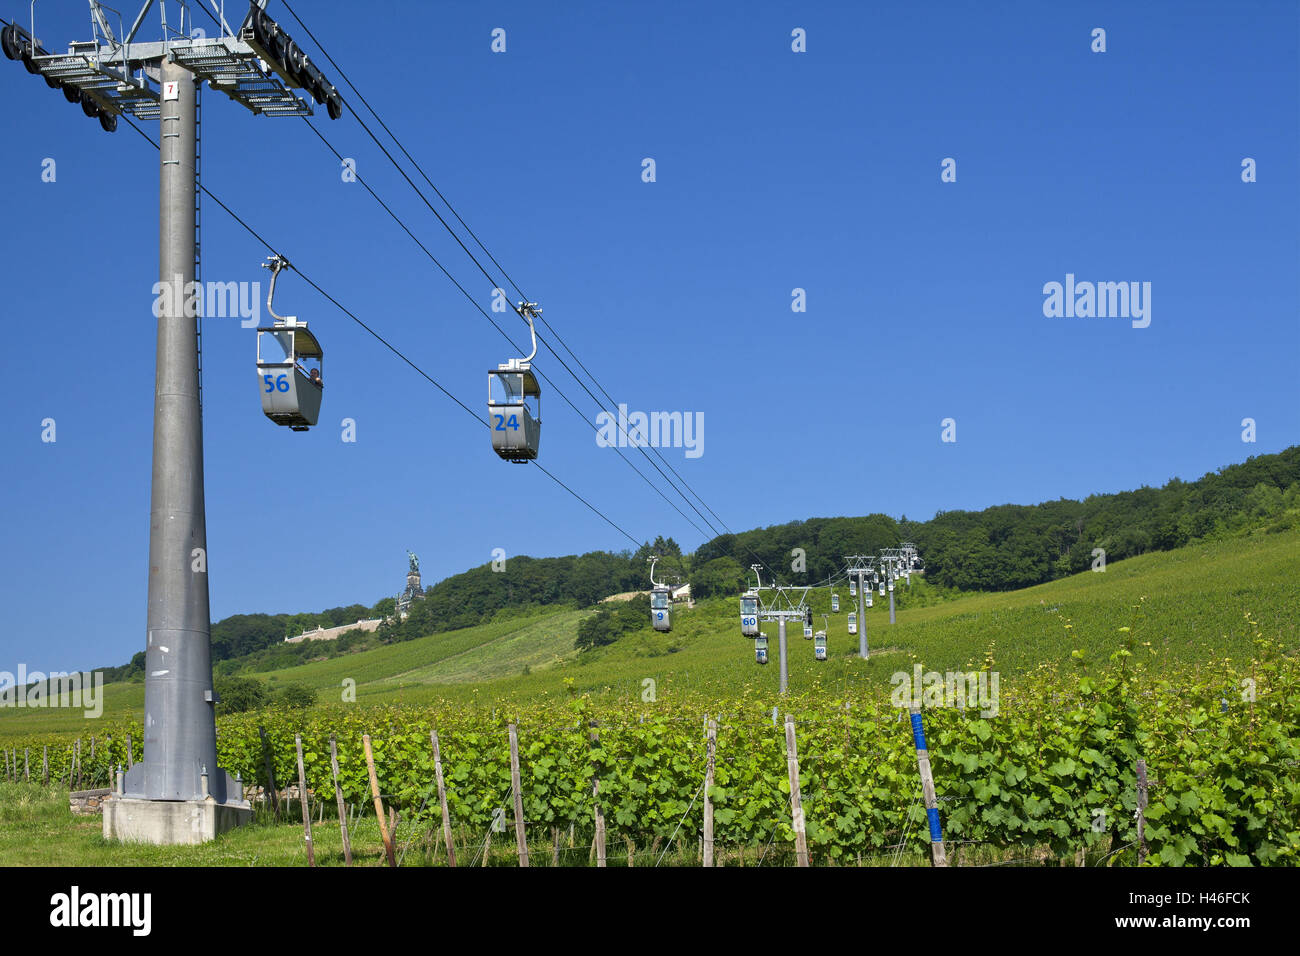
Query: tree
{"points": [[720, 577], [238, 694], [294, 695]]}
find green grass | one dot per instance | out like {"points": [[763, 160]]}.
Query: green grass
{"points": [[120, 700], [38, 829], [471, 655], [1188, 605]]}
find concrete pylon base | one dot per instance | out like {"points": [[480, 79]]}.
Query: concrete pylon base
{"points": [[171, 822]]}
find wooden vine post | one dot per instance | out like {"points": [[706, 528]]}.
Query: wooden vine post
{"points": [[379, 803], [45, 765], [796, 804], [302, 800], [338, 796], [712, 730], [1141, 811], [940, 856], [442, 798], [520, 836], [270, 771], [595, 793]]}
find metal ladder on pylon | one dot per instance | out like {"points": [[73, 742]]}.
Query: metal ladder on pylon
{"points": [[198, 233]]}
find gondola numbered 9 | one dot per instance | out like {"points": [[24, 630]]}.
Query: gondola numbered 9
{"points": [[661, 609], [515, 401], [661, 602], [289, 364]]}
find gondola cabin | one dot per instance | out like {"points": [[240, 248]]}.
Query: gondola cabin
{"points": [[760, 649], [819, 646], [867, 593], [289, 376], [807, 632], [749, 615], [882, 588], [853, 589], [853, 622], [835, 603], [661, 612], [514, 411]]}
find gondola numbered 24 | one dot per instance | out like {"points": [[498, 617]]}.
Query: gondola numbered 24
{"points": [[515, 401]]}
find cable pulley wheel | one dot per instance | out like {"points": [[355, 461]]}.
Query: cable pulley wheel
{"points": [[9, 41], [261, 27]]}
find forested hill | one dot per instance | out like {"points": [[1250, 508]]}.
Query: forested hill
{"points": [[1016, 546], [997, 549]]}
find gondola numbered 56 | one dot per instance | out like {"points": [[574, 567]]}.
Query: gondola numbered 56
{"points": [[290, 365]]}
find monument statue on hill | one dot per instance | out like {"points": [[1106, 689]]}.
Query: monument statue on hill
{"points": [[413, 587]]}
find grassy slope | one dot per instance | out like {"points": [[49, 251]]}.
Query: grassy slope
{"points": [[470, 655], [1189, 604]]}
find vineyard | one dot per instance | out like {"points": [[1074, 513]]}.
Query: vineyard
{"points": [[1051, 777]]}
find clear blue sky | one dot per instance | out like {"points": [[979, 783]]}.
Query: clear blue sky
{"points": [[775, 170]]}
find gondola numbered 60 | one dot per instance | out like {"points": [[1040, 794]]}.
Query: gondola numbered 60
{"points": [[290, 365], [515, 402]]}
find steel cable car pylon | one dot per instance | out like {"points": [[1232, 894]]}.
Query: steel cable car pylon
{"points": [[290, 377], [660, 601], [515, 401]]}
